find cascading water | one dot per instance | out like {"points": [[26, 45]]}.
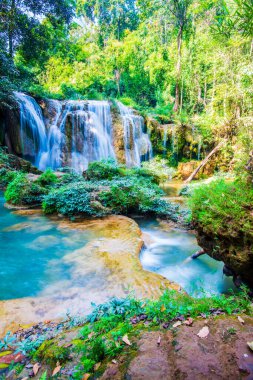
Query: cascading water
{"points": [[91, 132], [138, 146], [165, 136], [55, 139], [32, 128], [73, 134]]}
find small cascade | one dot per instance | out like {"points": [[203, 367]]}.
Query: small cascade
{"points": [[52, 158], [138, 146], [173, 138], [165, 136], [32, 128], [199, 149]]}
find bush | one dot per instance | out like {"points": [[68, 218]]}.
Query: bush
{"points": [[69, 200], [130, 195], [159, 169], [23, 192], [6, 176], [48, 178], [105, 169], [223, 208]]}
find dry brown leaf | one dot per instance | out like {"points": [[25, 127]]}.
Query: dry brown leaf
{"points": [[36, 368], [86, 376], [96, 366], [188, 322], [240, 320], [204, 332], [126, 340], [178, 323], [250, 344], [159, 341], [163, 308], [56, 370]]}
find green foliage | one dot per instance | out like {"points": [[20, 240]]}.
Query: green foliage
{"points": [[6, 176], [159, 168], [105, 169], [20, 191], [130, 195], [50, 353], [69, 200], [48, 178], [223, 208]]}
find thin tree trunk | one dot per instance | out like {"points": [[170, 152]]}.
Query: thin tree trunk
{"points": [[181, 98], [11, 28], [178, 69], [213, 92], [204, 162], [205, 92]]}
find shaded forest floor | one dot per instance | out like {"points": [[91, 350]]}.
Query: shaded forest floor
{"points": [[155, 353]]}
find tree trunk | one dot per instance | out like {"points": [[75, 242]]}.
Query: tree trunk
{"points": [[178, 69], [11, 28], [117, 78], [204, 162]]}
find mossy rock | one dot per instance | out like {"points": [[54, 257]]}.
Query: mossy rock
{"points": [[51, 353]]}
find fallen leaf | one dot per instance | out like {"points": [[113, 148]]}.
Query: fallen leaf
{"points": [[188, 322], [114, 361], [36, 368], [159, 341], [56, 370], [96, 366], [68, 345], [126, 340], [178, 323], [86, 376], [163, 308], [204, 332], [91, 335], [240, 320], [250, 344]]}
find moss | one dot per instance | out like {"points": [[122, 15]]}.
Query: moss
{"points": [[50, 353]]}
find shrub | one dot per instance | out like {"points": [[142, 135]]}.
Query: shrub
{"points": [[105, 169], [48, 178], [130, 195], [69, 200], [23, 192], [159, 169], [6, 176]]}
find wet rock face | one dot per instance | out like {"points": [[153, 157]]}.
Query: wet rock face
{"points": [[235, 252], [10, 129], [118, 135]]}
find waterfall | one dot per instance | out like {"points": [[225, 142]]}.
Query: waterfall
{"points": [[52, 158], [165, 136], [32, 128], [73, 134], [91, 132], [138, 146]]}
